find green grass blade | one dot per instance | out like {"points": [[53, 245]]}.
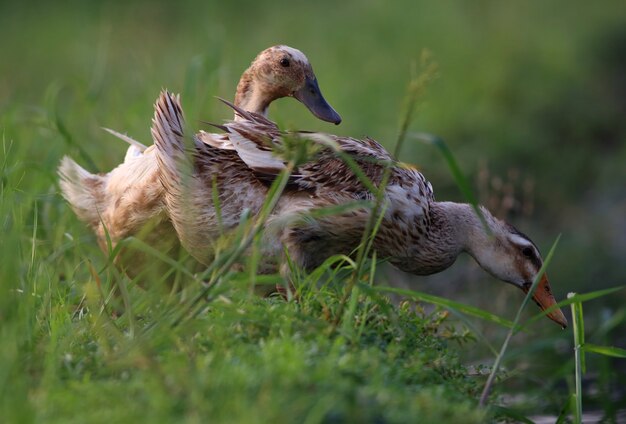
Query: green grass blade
{"points": [[69, 140], [217, 204], [356, 169], [141, 245], [416, 88], [496, 365], [326, 140], [221, 265], [458, 175], [578, 329], [580, 298], [348, 315], [334, 263], [31, 264], [450, 304], [615, 352], [378, 210], [339, 209], [571, 400]]}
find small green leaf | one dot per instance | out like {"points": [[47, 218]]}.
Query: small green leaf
{"points": [[615, 352]]}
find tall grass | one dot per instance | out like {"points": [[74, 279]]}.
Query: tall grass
{"points": [[580, 347], [247, 354], [485, 393]]}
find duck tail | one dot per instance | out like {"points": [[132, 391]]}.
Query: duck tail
{"points": [[167, 133], [175, 167], [83, 190]]}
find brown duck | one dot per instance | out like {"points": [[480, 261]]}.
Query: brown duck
{"points": [[128, 201], [418, 234]]}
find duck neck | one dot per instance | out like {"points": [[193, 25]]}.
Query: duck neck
{"points": [[251, 95], [466, 227], [440, 237]]}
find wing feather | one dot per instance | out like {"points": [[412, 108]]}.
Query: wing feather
{"points": [[256, 139]]}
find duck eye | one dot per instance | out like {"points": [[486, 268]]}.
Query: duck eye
{"points": [[284, 62], [527, 252]]}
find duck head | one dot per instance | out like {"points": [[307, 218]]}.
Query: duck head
{"points": [[512, 257], [282, 71]]}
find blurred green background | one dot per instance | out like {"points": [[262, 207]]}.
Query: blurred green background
{"points": [[530, 97]]}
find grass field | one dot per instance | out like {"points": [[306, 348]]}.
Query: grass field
{"points": [[530, 98]]}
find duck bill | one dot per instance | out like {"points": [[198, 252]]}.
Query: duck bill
{"points": [[544, 298], [311, 96]]}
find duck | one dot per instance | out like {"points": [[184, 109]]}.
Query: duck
{"points": [[417, 234], [128, 201]]}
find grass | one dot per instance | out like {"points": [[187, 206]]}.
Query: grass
{"points": [[249, 361], [216, 350], [242, 359], [533, 97]]}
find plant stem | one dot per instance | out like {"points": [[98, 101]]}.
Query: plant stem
{"points": [[578, 356]]}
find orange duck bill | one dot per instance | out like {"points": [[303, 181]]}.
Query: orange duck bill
{"points": [[544, 298]]}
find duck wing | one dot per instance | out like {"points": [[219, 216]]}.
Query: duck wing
{"points": [[254, 137], [333, 172], [257, 140]]}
